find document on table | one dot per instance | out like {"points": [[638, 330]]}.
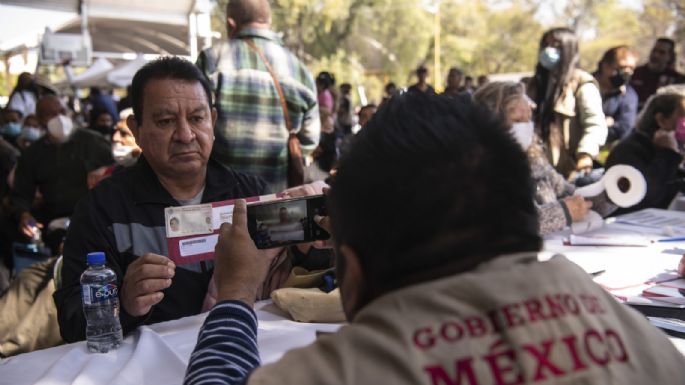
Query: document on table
{"points": [[672, 291], [607, 240], [656, 218]]}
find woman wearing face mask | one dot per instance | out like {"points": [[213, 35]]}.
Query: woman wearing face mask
{"points": [[619, 99], [569, 117], [655, 148], [11, 127], [556, 204]]}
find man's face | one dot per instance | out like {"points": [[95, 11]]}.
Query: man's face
{"points": [[283, 215], [365, 115], [48, 109], [104, 120], [626, 64], [176, 130], [422, 75], [660, 56], [453, 80], [124, 136]]}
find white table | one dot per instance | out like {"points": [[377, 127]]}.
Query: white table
{"points": [[158, 354], [623, 267], [155, 354]]}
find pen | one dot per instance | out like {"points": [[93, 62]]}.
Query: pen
{"points": [[674, 239]]}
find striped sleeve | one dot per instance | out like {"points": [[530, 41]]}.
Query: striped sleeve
{"points": [[226, 350]]}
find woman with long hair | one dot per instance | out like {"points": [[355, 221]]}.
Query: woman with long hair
{"points": [[569, 117]]}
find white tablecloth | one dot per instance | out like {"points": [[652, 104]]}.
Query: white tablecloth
{"points": [[158, 354], [155, 354]]}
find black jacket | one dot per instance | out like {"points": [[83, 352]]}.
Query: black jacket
{"points": [[658, 165], [59, 172], [124, 217]]}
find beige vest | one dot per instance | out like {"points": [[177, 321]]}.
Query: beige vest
{"points": [[511, 321]]}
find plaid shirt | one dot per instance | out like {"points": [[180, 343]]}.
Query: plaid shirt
{"points": [[251, 134]]}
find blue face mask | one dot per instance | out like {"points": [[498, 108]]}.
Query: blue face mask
{"points": [[11, 129], [549, 57], [31, 133]]}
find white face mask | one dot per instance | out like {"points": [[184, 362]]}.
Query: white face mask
{"points": [[123, 155], [523, 133], [60, 128]]}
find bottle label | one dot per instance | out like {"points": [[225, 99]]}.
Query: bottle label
{"points": [[98, 293]]}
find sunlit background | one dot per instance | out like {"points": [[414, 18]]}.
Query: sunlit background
{"points": [[364, 42]]}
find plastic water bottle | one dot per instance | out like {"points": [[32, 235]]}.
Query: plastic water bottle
{"points": [[100, 297]]}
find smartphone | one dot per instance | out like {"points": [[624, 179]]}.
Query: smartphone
{"points": [[286, 222]]}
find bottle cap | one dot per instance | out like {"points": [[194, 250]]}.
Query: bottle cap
{"points": [[96, 258]]}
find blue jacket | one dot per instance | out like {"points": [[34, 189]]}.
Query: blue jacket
{"points": [[622, 107]]}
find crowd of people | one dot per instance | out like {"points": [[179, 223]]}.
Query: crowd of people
{"points": [[248, 118]]}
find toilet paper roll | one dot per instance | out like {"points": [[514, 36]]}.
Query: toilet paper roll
{"points": [[593, 221], [591, 190], [635, 192], [610, 184]]}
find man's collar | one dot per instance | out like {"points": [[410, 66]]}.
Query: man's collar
{"points": [[262, 33], [147, 188], [220, 181]]}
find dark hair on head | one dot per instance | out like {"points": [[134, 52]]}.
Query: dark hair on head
{"points": [[168, 67], [559, 75], [6, 111], [422, 69], [249, 11], [455, 71], [612, 55], [390, 86], [671, 44], [95, 114], [326, 79], [432, 186], [664, 102], [365, 107]]}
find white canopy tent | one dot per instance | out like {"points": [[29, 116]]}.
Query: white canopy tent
{"points": [[103, 74], [123, 74], [120, 28], [94, 76]]}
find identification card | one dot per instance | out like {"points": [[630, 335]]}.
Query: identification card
{"points": [[189, 220]]}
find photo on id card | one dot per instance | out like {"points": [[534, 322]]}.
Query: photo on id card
{"points": [[188, 220]]}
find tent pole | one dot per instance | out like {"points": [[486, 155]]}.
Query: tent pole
{"points": [[192, 36]]}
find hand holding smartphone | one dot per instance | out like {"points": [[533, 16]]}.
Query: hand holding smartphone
{"points": [[286, 222]]}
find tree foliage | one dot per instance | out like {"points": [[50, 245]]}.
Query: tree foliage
{"points": [[370, 42]]}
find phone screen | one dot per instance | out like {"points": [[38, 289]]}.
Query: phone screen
{"points": [[286, 222]]}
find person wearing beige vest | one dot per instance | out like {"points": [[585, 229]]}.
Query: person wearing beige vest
{"points": [[569, 117], [435, 229]]}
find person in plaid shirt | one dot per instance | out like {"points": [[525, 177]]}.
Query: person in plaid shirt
{"points": [[251, 132]]}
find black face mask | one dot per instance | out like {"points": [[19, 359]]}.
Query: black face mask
{"points": [[620, 79]]}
